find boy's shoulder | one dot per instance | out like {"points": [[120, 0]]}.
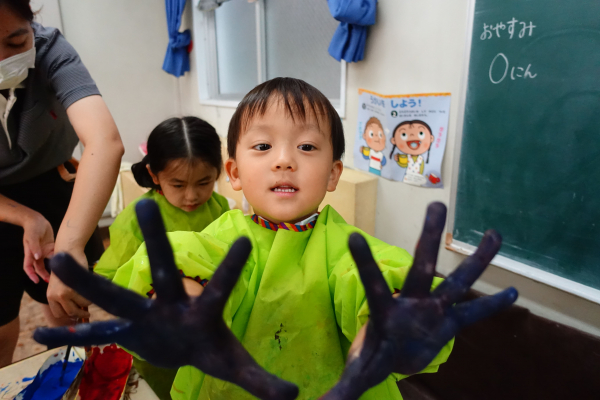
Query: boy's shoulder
{"points": [[336, 232], [335, 223], [231, 222]]}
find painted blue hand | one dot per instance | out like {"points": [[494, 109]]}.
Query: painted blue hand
{"points": [[405, 334], [174, 330]]}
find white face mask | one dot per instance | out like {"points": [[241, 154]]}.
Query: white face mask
{"points": [[14, 70]]}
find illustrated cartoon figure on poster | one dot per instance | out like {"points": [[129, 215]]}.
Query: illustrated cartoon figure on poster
{"points": [[374, 135], [413, 138]]}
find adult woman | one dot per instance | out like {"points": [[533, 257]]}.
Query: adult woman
{"points": [[48, 102]]}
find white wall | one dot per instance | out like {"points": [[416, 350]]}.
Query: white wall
{"points": [[418, 46], [123, 44], [47, 12]]}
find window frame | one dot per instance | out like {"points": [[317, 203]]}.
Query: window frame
{"points": [[205, 46]]}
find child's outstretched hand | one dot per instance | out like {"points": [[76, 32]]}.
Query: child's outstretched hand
{"points": [[405, 334], [174, 330]]}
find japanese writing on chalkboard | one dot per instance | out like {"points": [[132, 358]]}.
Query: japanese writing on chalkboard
{"points": [[490, 31], [500, 67]]}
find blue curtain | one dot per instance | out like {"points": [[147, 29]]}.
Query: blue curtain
{"points": [[177, 59], [348, 42]]}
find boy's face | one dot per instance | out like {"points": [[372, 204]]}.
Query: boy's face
{"points": [[412, 139], [284, 167], [374, 137]]}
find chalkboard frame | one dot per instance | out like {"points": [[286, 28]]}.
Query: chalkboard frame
{"points": [[452, 244]]}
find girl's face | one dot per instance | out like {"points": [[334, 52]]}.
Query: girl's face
{"points": [[412, 139], [16, 34], [186, 185]]}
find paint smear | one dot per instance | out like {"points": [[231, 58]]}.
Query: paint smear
{"points": [[48, 384], [105, 374]]}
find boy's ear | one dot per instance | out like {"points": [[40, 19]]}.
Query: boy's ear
{"points": [[154, 177], [233, 173], [334, 177]]}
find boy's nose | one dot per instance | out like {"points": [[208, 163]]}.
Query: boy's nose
{"points": [[285, 162]]}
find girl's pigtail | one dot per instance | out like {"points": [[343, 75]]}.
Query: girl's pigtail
{"points": [[141, 174], [392, 153]]}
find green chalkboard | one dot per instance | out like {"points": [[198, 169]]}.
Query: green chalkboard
{"points": [[530, 155]]}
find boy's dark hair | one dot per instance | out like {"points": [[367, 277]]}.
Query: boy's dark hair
{"points": [[298, 97], [19, 7], [416, 121], [189, 138]]}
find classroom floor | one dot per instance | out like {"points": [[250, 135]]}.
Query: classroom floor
{"points": [[32, 317]]}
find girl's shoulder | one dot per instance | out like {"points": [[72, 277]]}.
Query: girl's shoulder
{"points": [[127, 217], [221, 201]]}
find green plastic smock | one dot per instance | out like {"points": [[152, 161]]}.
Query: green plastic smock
{"points": [[126, 235], [297, 306]]}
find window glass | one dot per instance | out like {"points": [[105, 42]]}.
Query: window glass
{"points": [[235, 24], [298, 33]]}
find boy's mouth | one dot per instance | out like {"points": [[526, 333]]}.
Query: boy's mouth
{"points": [[414, 144], [284, 188]]}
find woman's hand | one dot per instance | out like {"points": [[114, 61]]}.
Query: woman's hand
{"points": [[63, 301], [38, 242]]}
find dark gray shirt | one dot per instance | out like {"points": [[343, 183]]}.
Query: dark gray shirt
{"points": [[42, 136]]}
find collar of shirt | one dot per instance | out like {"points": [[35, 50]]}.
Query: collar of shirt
{"points": [[304, 225]]}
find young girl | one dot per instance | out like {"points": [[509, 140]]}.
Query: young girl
{"points": [[182, 165]]}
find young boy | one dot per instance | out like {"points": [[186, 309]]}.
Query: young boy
{"points": [[299, 302]]}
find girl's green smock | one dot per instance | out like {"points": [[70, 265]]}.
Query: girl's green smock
{"points": [[126, 236], [297, 306]]}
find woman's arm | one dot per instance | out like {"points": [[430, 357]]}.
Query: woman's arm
{"points": [[96, 177], [38, 237], [12, 212]]}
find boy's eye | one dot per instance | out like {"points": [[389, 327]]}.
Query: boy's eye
{"points": [[380, 135], [421, 135], [370, 133], [178, 186], [306, 147], [404, 136], [262, 147]]}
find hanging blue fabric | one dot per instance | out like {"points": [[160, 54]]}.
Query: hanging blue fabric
{"points": [[177, 59], [348, 42]]}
